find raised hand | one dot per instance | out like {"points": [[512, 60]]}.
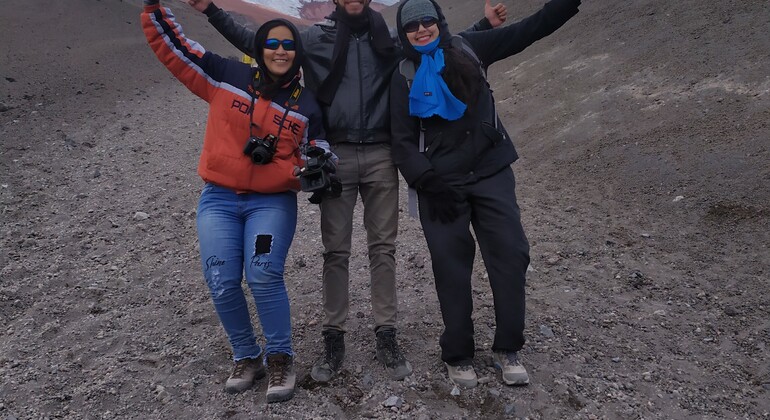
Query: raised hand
{"points": [[496, 15], [201, 5]]}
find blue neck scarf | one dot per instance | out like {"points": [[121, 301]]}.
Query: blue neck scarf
{"points": [[429, 94]]}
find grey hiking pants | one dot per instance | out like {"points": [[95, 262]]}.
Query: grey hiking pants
{"points": [[369, 170]]}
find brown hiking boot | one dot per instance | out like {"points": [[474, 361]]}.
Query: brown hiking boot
{"points": [[245, 373], [281, 377]]}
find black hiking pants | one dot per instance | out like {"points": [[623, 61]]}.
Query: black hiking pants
{"points": [[490, 207]]}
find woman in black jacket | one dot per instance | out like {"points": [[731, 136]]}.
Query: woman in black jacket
{"points": [[449, 144]]}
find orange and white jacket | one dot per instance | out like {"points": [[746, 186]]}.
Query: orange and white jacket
{"points": [[227, 86]]}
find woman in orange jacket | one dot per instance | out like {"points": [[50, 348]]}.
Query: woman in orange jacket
{"points": [[261, 127]]}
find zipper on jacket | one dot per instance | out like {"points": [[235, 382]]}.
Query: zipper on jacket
{"points": [[360, 91]]}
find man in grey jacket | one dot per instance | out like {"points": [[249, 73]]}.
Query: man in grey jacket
{"points": [[349, 62]]}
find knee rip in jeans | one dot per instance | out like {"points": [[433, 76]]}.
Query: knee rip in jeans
{"points": [[262, 246]]}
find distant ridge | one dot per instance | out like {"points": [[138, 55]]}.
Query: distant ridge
{"points": [[307, 13], [258, 14]]}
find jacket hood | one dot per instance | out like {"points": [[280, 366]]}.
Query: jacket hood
{"points": [[299, 56], [444, 35]]}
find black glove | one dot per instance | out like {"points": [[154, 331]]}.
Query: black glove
{"points": [[442, 199], [322, 158]]}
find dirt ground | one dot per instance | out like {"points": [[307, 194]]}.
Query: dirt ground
{"points": [[644, 184]]}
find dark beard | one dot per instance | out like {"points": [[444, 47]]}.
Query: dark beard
{"points": [[357, 23]]}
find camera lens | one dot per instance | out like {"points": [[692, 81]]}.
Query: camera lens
{"points": [[260, 156]]}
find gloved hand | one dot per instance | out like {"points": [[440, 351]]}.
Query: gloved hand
{"points": [[322, 158], [442, 199]]}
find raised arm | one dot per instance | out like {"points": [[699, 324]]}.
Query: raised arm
{"points": [[240, 36], [503, 42], [494, 16], [187, 60]]}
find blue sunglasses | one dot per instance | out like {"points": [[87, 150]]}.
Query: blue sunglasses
{"points": [[273, 44]]}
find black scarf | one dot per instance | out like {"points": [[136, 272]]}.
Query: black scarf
{"points": [[346, 24]]}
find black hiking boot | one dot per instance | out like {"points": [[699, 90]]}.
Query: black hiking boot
{"points": [[329, 363], [389, 354]]}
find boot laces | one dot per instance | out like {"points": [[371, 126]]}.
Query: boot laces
{"points": [[389, 343], [240, 367], [279, 369], [512, 358]]}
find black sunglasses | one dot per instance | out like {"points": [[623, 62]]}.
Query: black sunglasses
{"points": [[414, 25], [273, 44]]}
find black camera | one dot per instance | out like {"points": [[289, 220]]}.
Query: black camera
{"points": [[261, 150], [315, 175]]}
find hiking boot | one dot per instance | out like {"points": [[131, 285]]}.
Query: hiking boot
{"points": [[245, 373], [463, 375], [390, 355], [513, 371], [329, 363], [281, 377]]}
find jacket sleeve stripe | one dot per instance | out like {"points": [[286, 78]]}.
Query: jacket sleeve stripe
{"points": [[172, 33], [184, 58]]}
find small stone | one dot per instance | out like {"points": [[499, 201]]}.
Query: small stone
{"points": [[393, 401], [455, 391], [678, 198], [616, 359], [510, 410], [546, 331], [730, 311], [659, 312], [494, 392], [140, 215], [367, 381]]}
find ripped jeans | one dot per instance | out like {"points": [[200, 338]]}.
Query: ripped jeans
{"points": [[251, 234]]}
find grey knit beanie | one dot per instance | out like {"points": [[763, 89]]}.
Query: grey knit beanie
{"points": [[417, 9]]}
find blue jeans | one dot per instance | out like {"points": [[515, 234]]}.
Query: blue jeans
{"points": [[251, 234]]}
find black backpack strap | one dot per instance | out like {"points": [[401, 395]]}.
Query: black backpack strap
{"points": [[460, 43]]}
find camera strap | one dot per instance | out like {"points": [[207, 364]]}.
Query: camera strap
{"points": [[255, 82], [290, 103]]}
